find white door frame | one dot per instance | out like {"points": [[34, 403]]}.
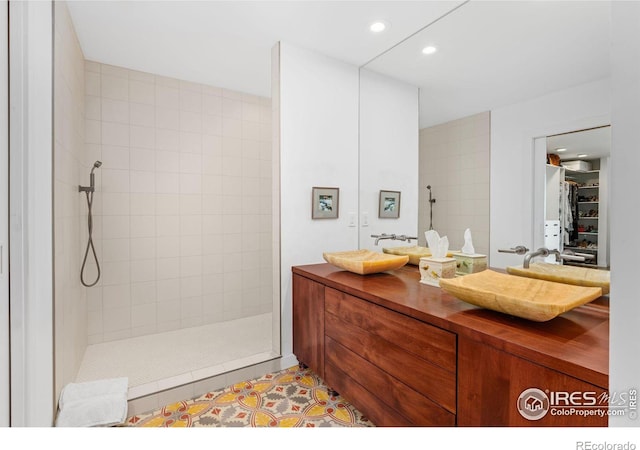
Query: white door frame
{"points": [[5, 419], [539, 191], [30, 210]]}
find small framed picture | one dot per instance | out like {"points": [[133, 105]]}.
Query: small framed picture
{"points": [[325, 203], [389, 205]]}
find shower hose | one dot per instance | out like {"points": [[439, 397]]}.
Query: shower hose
{"points": [[89, 244]]}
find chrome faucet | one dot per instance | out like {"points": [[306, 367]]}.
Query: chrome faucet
{"points": [[559, 256], [518, 250], [542, 251], [379, 237], [394, 237], [568, 255]]}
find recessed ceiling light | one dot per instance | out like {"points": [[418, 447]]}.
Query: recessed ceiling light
{"points": [[582, 155], [377, 27], [561, 150], [430, 49]]}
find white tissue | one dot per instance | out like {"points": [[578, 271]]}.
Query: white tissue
{"points": [[433, 239], [443, 247], [439, 246], [467, 248]]}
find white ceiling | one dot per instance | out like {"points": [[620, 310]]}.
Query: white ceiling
{"points": [[595, 143], [228, 43], [490, 54]]}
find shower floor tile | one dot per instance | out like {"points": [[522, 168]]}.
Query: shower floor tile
{"points": [[163, 360]]}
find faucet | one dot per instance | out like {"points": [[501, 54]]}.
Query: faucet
{"points": [[518, 250], [542, 251], [568, 255], [559, 256], [382, 236], [394, 237]]}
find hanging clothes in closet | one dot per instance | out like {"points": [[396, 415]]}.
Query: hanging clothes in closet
{"points": [[569, 212]]}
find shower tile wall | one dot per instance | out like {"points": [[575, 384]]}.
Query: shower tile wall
{"points": [[183, 208], [454, 160], [69, 207]]}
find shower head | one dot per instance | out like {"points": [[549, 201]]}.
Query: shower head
{"points": [[429, 186], [92, 180]]}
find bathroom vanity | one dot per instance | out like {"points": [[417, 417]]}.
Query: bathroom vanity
{"points": [[408, 354]]}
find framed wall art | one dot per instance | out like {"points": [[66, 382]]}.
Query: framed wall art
{"points": [[389, 205], [325, 203]]}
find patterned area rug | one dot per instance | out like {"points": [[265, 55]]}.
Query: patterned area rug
{"points": [[290, 398]]}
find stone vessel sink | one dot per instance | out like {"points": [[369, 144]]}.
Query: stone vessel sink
{"points": [[528, 298], [414, 252], [579, 276], [365, 262]]}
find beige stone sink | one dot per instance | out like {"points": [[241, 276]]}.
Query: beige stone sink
{"points": [[365, 262], [579, 276], [529, 298], [414, 252]]}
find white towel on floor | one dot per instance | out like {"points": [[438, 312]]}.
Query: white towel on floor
{"points": [[94, 403]]}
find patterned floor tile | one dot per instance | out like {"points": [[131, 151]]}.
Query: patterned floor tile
{"points": [[290, 398]]}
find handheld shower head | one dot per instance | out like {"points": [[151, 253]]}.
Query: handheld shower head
{"points": [[431, 202], [89, 190], [92, 180], [91, 187]]}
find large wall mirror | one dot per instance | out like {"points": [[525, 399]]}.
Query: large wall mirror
{"points": [[498, 75], [577, 195]]}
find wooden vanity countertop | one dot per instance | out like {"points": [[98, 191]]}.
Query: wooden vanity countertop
{"points": [[575, 343]]}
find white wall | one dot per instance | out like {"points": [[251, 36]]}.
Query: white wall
{"points": [[625, 161], [318, 147], [454, 161], [276, 331], [4, 217], [388, 156], [513, 129], [30, 39], [69, 206], [604, 227]]}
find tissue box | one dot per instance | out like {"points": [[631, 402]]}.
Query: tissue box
{"points": [[466, 264], [432, 269]]}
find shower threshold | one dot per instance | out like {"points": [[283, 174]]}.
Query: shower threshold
{"points": [[154, 363]]}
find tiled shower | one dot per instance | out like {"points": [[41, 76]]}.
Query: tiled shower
{"points": [[454, 160], [182, 213], [183, 203]]}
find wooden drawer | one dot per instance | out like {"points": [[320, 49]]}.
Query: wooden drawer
{"points": [[421, 375], [400, 399], [367, 403], [425, 341]]}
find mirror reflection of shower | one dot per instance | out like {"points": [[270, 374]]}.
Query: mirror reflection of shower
{"points": [[431, 202], [89, 190]]}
